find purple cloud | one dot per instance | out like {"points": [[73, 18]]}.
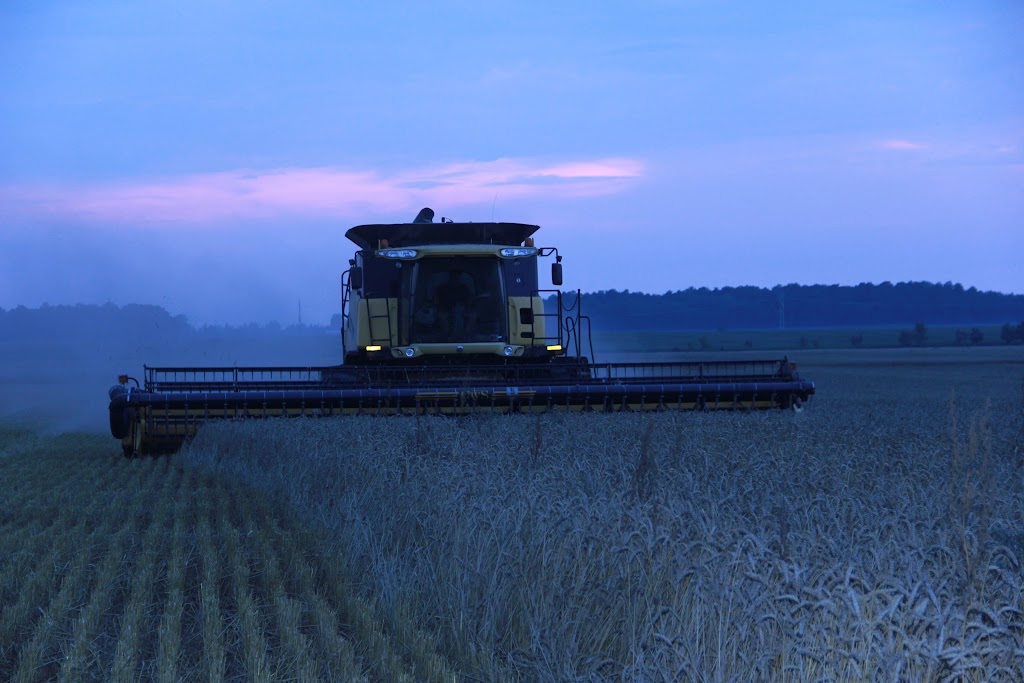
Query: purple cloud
{"points": [[902, 145], [325, 191]]}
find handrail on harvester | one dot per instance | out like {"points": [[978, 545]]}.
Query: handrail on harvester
{"points": [[198, 379]]}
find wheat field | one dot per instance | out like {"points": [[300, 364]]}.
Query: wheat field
{"points": [[115, 570], [877, 536]]}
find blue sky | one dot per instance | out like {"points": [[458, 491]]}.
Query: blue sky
{"points": [[208, 157]]}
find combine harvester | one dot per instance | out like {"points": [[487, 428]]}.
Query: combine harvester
{"points": [[445, 318]]}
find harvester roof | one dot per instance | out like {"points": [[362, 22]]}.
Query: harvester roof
{"points": [[419, 234]]}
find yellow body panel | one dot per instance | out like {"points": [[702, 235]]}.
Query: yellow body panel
{"points": [[433, 349], [364, 328], [516, 328]]}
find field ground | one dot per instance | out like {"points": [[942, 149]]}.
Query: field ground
{"points": [[878, 535], [788, 340]]}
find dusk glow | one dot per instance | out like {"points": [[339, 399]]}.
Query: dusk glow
{"points": [[322, 192], [903, 144], [660, 146]]}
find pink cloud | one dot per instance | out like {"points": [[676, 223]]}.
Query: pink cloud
{"points": [[902, 144], [253, 194]]}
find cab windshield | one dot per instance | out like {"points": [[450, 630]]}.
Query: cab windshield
{"points": [[455, 300]]}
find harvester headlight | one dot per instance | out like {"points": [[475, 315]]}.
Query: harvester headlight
{"points": [[410, 352], [509, 350], [373, 348], [519, 251], [398, 253], [554, 347]]}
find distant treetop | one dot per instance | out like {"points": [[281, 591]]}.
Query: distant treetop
{"points": [[793, 305]]}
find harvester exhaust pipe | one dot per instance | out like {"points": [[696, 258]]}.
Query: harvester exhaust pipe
{"points": [[426, 215]]}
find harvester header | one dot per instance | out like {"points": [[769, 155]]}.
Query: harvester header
{"points": [[445, 318]]}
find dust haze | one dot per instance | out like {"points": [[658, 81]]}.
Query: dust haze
{"points": [[55, 372], [232, 275]]}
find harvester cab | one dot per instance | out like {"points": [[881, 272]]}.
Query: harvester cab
{"points": [[450, 293], [445, 318]]}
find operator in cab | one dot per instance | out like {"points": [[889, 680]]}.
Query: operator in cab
{"points": [[455, 304]]}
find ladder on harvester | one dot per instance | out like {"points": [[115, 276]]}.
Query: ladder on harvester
{"points": [[547, 317], [371, 317], [346, 294], [570, 327]]}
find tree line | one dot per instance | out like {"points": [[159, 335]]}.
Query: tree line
{"points": [[128, 324], [796, 306], [736, 308]]}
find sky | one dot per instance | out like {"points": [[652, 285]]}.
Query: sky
{"points": [[209, 156]]}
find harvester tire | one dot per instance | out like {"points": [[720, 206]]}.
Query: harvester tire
{"points": [[120, 422]]}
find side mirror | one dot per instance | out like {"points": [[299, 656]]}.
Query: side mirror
{"points": [[355, 277], [556, 274]]}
